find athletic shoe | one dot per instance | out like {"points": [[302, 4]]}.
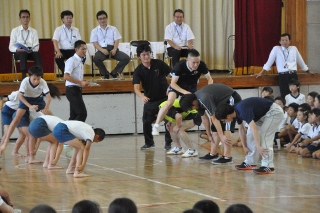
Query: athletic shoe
{"points": [[167, 146], [176, 151], [287, 144], [222, 160], [155, 131], [114, 76], [209, 157], [146, 146], [245, 166], [263, 170], [190, 153]]}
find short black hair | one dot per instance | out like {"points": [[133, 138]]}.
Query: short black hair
{"points": [[100, 132], [78, 44], [294, 106], [305, 106], [313, 94], [143, 47], [122, 205], [281, 99], [85, 206], [101, 12], [24, 11], [42, 208], [207, 206], [267, 89], [66, 13], [294, 81], [186, 101], [223, 111], [239, 208], [285, 34], [316, 111], [178, 11], [193, 53], [35, 70]]}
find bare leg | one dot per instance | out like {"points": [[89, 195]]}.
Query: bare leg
{"points": [[79, 148], [214, 143], [227, 148], [31, 145], [72, 165], [187, 124], [19, 143]]}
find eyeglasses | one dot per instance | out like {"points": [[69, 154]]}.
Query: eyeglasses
{"points": [[24, 16], [145, 54], [178, 16], [101, 19]]}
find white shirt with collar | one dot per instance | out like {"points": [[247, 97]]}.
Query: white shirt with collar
{"points": [[28, 38], [29, 90], [105, 36], [80, 130], [66, 37], [74, 67], [178, 34], [283, 63]]}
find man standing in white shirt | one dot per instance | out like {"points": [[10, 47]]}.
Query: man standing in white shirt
{"points": [[64, 38], [105, 39], [286, 58], [179, 37], [74, 82], [27, 37]]}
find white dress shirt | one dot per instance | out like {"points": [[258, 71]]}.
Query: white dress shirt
{"points": [[105, 36], [74, 67], [66, 37], [28, 38], [178, 34], [285, 63]]}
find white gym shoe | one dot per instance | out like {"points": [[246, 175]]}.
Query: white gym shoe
{"points": [[176, 151], [155, 131], [190, 153]]}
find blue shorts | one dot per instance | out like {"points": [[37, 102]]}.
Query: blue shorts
{"points": [[25, 121], [62, 134], [312, 148], [7, 115], [38, 128], [33, 101]]}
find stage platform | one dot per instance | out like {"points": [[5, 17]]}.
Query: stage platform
{"points": [[125, 86]]}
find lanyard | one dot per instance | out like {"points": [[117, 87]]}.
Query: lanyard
{"points": [[70, 40], [176, 27], [25, 40], [285, 56], [104, 36]]}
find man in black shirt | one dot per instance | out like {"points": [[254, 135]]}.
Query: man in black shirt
{"points": [[152, 74]]}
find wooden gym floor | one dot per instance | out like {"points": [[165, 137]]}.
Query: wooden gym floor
{"points": [[160, 183]]}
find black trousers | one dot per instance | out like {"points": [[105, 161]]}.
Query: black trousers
{"points": [[150, 111], [66, 54], [284, 83], [24, 57], [176, 54], [78, 109]]}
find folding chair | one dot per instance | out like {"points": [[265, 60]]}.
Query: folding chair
{"points": [[14, 68], [166, 58]]}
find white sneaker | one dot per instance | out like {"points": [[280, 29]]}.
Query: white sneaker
{"points": [[155, 131], [190, 153], [176, 151]]}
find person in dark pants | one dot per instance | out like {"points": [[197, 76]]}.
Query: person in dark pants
{"points": [[179, 37], [74, 82], [152, 74], [64, 38], [27, 37], [105, 39], [286, 58]]}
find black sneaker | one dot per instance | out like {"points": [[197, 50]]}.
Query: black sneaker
{"points": [[210, 157], [114, 76], [245, 166], [222, 160], [146, 146], [263, 170], [106, 77], [167, 146]]}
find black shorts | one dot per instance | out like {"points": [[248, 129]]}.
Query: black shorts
{"points": [[226, 126], [191, 89]]}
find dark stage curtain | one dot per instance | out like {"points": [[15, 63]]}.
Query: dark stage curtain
{"points": [[257, 30]]}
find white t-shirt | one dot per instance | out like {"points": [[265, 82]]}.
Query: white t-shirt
{"points": [[51, 120], [300, 99], [80, 130], [33, 92], [13, 100], [304, 130]]}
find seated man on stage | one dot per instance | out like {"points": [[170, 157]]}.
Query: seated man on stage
{"points": [[64, 38], [105, 39], [24, 43], [179, 37]]}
